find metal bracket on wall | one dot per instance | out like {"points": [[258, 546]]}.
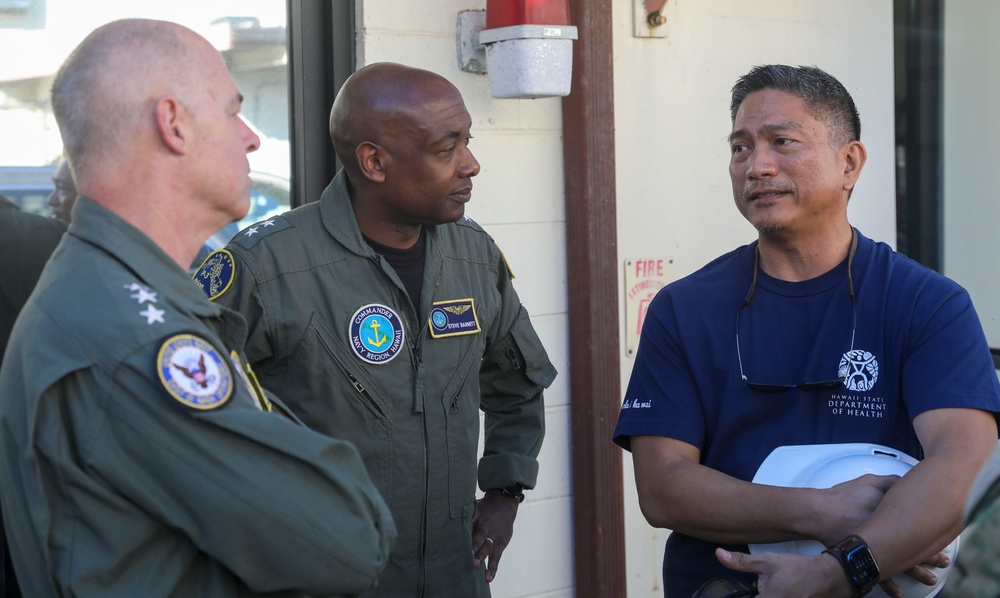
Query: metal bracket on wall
{"points": [[471, 54], [650, 18]]}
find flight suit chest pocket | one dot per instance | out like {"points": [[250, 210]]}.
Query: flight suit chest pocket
{"points": [[337, 397], [354, 374]]}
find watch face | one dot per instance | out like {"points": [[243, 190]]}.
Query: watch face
{"points": [[863, 567]]}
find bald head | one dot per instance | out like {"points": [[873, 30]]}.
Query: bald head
{"points": [[378, 100], [107, 87]]}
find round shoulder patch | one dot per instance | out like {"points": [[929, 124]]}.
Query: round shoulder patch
{"points": [[216, 273], [193, 372], [376, 333]]}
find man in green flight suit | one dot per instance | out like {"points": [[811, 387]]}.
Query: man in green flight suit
{"points": [[140, 456], [388, 319]]}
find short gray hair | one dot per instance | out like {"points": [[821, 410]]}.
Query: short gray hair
{"points": [[99, 93]]}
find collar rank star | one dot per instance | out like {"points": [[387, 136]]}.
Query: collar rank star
{"points": [[194, 373], [376, 334], [147, 298], [453, 318]]}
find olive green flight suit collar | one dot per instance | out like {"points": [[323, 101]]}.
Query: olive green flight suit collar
{"points": [[102, 228]]}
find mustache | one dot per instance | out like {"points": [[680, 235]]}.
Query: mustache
{"points": [[756, 189]]}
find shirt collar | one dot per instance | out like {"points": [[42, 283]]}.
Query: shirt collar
{"points": [[151, 265]]}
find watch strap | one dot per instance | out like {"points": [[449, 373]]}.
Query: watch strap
{"points": [[843, 550], [514, 491]]}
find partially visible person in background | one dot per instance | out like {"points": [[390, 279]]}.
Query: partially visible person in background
{"points": [[63, 197], [26, 242]]}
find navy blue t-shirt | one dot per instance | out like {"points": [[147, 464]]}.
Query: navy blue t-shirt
{"points": [[918, 346]]}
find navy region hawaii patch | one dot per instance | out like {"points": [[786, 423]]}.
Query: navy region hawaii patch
{"points": [[453, 318], [376, 333], [194, 373], [215, 275]]}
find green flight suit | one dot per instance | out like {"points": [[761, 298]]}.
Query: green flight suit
{"points": [[333, 331], [138, 454]]}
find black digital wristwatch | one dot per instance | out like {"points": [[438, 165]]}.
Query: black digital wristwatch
{"points": [[854, 555]]}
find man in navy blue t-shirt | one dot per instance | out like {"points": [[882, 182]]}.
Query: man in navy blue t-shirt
{"points": [[838, 339]]}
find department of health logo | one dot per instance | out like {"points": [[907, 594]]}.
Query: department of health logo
{"points": [[376, 333], [194, 373], [215, 275], [859, 370]]}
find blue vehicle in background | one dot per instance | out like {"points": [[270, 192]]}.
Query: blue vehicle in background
{"points": [[30, 186]]}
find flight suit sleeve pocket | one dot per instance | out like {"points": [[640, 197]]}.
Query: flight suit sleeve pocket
{"points": [[521, 354]]}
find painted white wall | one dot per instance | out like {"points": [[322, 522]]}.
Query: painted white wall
{"points": [[971, 122], [672, 120]]}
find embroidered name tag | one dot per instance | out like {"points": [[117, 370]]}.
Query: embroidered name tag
{"points": [[453, 318]]}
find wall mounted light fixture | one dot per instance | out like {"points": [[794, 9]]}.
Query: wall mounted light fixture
{"points": [[528, 47]]}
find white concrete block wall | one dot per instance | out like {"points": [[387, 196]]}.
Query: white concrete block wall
{"points": [[518, 198]]}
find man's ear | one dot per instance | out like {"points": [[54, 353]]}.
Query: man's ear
{"points": [[172, 124], [371, 161], [855, 156]]}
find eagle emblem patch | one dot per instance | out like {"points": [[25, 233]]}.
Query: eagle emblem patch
{"points": [[376, 334], [453, 318], [194, 373]]}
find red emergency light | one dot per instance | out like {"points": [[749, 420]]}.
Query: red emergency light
{"points": [[529, 48], [507, 13]]}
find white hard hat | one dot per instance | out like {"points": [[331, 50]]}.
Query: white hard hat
{"points": [[826, 465]]}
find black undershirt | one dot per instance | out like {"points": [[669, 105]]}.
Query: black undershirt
{"points": [[408, 264]]}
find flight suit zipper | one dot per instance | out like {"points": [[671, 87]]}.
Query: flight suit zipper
{"points": [[418, 375], [513, 358], [364, 393]]}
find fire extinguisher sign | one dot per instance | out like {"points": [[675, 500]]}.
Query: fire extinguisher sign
{"points": [[643, 278]]}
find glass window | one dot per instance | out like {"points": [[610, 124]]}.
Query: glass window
{"points": [[946, 122], [37, 35]]}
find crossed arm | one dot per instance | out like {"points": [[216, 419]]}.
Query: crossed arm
{"points": [[905, 521]]}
